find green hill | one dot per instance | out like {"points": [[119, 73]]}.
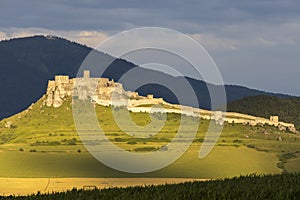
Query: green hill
{"points": [[288, 109], [42, 142]]}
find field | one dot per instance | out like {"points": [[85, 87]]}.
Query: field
{"points": [[222, 162], [274, 187], [28, 186], [43, 142]]}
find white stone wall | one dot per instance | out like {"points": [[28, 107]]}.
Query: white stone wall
{"points": [[101, 90]]}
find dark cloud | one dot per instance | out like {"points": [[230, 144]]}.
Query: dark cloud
{"points": [[254, 43], [116, 15]]}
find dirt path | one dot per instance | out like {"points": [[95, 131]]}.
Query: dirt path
{"points": [[26, 186]]}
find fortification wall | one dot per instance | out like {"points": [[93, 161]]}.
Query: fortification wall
{"points": [[101, 91], [145, 101]]}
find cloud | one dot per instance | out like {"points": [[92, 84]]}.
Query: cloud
{"points": [[218, 25], [114, 15], [243, 37], [214, 43], [89, 38]]}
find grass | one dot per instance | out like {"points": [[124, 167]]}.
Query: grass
{"points": [[293, 165], [222, 162], [51, 147], [274, 187]]}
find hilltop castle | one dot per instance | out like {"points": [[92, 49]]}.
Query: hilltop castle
{"points": [[100, 90], [106, 92]]}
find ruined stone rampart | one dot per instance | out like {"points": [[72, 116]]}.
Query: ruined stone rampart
{"points": [[106, 92]]}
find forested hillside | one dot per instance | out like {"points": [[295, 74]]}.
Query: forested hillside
{"points": [[288, 109]]}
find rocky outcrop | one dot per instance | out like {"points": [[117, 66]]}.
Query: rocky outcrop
{"points": [[58, 90]]}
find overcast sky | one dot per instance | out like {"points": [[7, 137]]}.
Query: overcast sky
{"points": [[254, 43]]}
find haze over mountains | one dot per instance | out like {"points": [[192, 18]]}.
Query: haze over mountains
{"points": [[28, 63]]}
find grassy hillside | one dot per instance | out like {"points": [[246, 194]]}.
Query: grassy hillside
{"points": [[44, 142], [246, 187], [288, 109]]}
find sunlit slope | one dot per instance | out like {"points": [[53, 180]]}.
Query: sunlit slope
{"points": [[43, 142]]}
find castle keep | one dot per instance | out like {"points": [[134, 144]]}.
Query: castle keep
{"points": [[99, 90], [106, 92]]}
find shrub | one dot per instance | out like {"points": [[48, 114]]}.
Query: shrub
{"points": [[120, 140], [72, 141], [237, 141], [131, 142], [285, 156], [13, 126], [54, 143], [199, 140], [280, 165], [164, 148], [141, 149]]}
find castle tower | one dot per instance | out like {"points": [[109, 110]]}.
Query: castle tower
{"points": [[86, 74], [150, 96], [274, 119], [59, 79]]}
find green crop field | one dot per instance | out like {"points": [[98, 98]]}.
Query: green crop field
{"points": [[43, 142]]}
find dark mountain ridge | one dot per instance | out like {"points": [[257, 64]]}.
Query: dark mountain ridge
{"points": [[28, 63]]}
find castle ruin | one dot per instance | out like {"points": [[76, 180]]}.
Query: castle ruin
{"points": [[106, 92]]}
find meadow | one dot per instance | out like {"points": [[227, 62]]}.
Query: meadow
{"points": [[43, 142]]}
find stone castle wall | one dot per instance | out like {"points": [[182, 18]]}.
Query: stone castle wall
{"points": [[106, 92]]}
